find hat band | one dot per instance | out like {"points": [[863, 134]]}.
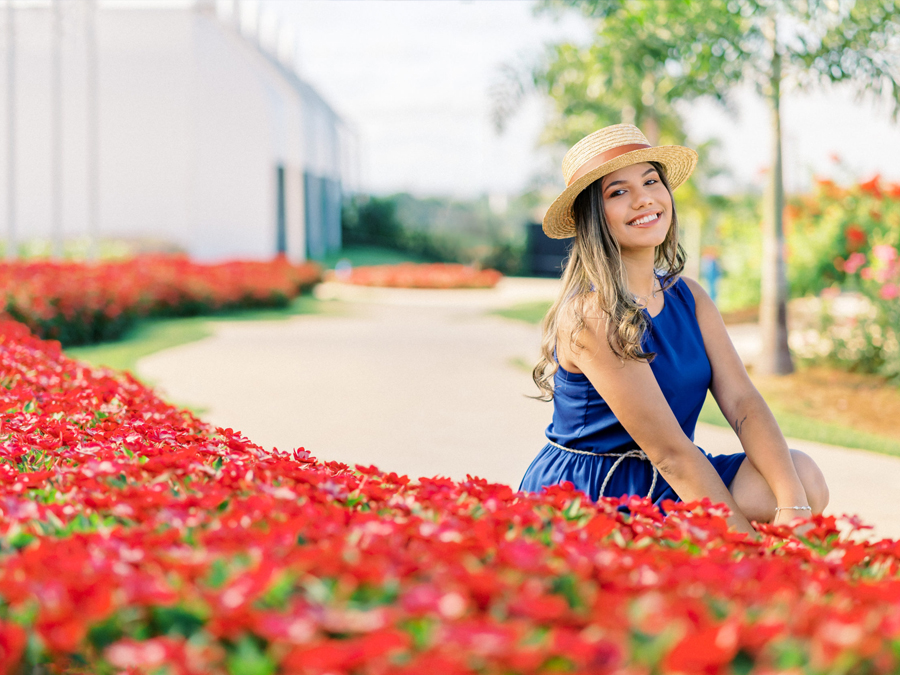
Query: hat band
{"points": [[603, 158]]}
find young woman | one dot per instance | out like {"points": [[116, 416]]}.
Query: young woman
{"points": [[631, 347]]}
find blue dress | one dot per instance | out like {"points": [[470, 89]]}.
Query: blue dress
{"points": [[583, 421]]}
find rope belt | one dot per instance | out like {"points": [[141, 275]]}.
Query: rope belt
{"points": [[637, 453]]}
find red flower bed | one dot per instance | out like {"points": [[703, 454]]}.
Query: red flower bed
{"points": [[133, 538], [76, 303], [409, 275]]}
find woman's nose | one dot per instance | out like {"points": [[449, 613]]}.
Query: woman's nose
{"points": [[640, 198]]}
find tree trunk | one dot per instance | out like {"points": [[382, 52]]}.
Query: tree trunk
{"points": [[775, 355]]}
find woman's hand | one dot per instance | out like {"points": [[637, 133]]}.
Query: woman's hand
{"points": [[787, 516], [744, 527]]}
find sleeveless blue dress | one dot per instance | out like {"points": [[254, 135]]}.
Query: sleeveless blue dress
{"points": [[583, 421]]}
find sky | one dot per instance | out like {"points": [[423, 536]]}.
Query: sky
{"points": [[412, 78]]}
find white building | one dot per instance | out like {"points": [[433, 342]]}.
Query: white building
{"points": [[206, 138]]}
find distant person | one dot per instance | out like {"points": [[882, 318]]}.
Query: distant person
{"points": [[631, 347], [710, 271], [343, 269]]}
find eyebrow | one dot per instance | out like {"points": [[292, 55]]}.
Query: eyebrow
{"points": [[616, 182]]}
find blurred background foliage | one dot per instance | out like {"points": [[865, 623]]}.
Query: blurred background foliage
{"points": [[488, 231], [839, 243], [841, 250]]}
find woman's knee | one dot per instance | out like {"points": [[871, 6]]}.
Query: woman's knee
{"points": [[752, 494], [812, 479], [755, 498]]}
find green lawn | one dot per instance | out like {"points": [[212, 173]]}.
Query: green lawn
{"points": [[360, 256], [529, 312], [807, 429], [154, 335], [792, 424], [147, 337]]}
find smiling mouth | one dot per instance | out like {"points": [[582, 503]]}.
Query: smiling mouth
{"points": [[644, 221]]}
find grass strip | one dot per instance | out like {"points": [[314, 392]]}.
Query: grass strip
{"points": [[154, 335], [529, 312], [364, 256], [147, 337], [807, 429]]}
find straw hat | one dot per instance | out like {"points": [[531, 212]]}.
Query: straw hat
{"points": [[603, 152]]}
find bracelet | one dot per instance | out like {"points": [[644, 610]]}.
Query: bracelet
{"points": [[792, 508]]}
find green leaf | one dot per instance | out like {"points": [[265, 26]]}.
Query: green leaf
{"points": [[177, 621], [21, 539], [567, 586], [248, 658], [421, 630], [218, 574], [742, 664], [280, 591], [103, 634]]}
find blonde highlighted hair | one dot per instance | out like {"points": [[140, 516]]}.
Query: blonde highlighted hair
{"points": [[594, 280]]}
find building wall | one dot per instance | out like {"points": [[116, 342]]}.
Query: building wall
{"points": [[145, 84], [246, 123], [194, 123], [322, 169]]}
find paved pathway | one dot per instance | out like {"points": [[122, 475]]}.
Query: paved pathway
{"points": [[426, 383]]}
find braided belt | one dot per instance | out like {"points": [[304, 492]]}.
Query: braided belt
{"points": [[637, 453]]}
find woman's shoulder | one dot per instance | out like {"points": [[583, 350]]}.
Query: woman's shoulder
{"points": [[697, 292], [704, 307], [577, 311], [581, 331], [583, 308]]}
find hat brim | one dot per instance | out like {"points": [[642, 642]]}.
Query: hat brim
{"points": [[678, 162]]}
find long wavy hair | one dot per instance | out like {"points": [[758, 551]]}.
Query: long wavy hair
{"points": [[594, 279]]}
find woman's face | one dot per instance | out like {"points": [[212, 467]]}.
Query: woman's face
{"points": [[637, 205]]}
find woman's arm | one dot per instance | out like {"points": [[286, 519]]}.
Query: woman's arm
{"points": [[633, 394], [746, 410]]}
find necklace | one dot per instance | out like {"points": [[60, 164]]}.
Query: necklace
{"points": [[642, 300]]}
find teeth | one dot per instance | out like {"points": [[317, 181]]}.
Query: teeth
{"points": [[645, 219]]}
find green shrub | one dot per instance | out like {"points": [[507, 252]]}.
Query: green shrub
{"points": [[371, 221], [844, 243], [435, 229], [827, 226]]}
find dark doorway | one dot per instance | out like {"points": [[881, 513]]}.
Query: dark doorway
{"points": [[281, 213], [545, 256]]}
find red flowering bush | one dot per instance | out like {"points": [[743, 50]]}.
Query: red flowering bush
{"points": [[827, 228], [77, 302], [410, 275], [134, 538], [845, 241]]}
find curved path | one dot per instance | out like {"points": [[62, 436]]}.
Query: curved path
{"points": [[426, 383]]}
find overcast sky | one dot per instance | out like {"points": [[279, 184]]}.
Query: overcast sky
{"points": [[412, 77]]}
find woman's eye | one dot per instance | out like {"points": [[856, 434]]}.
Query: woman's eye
{"points": [[616, 193], [652, 180]]}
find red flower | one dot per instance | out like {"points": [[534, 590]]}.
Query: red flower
{"points": [[856, 237], [854, 262], [123, 513], [705, 651], [872, 186], [12, 647], [889, 292], [409, 275]]}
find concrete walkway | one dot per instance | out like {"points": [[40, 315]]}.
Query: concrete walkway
{"points": [[427, 383]]}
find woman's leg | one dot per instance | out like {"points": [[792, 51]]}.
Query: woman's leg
{"points": [[756, 500]]}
